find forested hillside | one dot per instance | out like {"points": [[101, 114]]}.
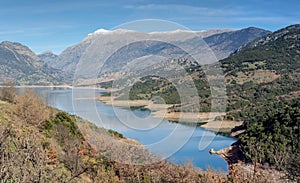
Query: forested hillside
{"points": [[263, 89], [266, 72]]}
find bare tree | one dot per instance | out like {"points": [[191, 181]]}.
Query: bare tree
{"points": [[8, 92], [31, 109]]}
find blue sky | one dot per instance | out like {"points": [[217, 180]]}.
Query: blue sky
{"points": [[56, 24]]}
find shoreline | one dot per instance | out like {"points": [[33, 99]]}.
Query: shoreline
{"points": [[44, 86], [231, 154], [205, 119], [160, 111], [63, 86]]}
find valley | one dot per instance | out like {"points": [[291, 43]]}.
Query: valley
{"points": [[155, 96]]}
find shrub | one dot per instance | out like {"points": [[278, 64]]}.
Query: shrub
{"points": [[66, 120], [31, 109], [8, 92], [293, 167], [115, 133]]}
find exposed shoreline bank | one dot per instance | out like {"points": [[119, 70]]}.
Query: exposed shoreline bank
{"points": [[206, 120], [44, 86]]}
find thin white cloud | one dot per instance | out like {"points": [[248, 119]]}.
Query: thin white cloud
{"points": [[9, 32], [196, 15], [205, 11]]}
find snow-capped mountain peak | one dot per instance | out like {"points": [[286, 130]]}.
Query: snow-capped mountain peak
{"points": [[105, 32]]}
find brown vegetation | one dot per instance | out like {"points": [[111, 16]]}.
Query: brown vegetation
{"points": [[39, 147], [7, 92], [31, 109]]}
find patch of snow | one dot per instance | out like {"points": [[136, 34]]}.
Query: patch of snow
{"points": [[173, 32], [105, 32]]}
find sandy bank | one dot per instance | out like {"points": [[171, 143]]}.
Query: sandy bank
{"points": [[160, 111], [40, 86]]}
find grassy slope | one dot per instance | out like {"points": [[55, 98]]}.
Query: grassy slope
{"points": [[57, 150]]}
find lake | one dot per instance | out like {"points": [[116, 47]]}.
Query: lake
{"points": [[178, 143]]}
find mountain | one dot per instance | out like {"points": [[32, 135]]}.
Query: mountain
{"points": [[225, 43], [20, 65], [271, 37], [263, 91], [69, 58], [88, 57], [264, 71], [106, 39], [267, 68], [48, 57]]}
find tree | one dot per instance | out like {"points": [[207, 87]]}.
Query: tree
{"points": [[274, 135]]}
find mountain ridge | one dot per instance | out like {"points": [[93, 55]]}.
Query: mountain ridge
{"points": [[47, 57], [219, 40], [22, 66]]}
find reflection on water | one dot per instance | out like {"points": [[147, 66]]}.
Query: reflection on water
{"points": [[179, 143]]}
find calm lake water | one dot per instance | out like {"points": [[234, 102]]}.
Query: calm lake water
{"points": [[178, 143]]}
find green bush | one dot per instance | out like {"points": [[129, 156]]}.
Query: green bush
{"points": [[63, 120], [115, 133]]}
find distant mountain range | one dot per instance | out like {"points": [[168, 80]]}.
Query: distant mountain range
{"points": [[96, 47], [48, 57], [226, 43], [20, 65]]}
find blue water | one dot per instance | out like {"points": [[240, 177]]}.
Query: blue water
{"points": [[176, 142]]}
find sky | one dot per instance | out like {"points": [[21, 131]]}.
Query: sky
{"points": [[56, 24]]}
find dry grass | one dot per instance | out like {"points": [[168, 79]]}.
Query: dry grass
{"points": [[258, 76]]}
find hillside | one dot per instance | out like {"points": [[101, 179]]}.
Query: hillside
{"points": [[268, 71], [42, 144], [20, 65], [254, 75], [263, 89]]}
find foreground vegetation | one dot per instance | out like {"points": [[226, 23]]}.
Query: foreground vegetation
{"points": [[273, 137], [42, 144]]}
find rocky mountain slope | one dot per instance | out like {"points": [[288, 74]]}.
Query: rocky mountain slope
{"points": [[48, 57], [95, 50], [225, 43], [20, 65]]}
